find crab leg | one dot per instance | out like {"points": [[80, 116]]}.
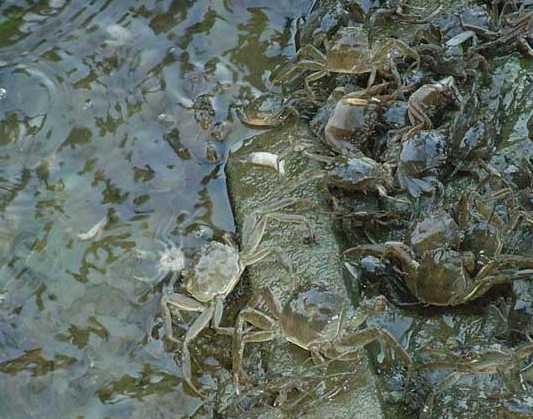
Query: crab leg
{"points": [[293, 218], [181, 302], [217, 318], [201, 322], [364, 337], [240, 338], [498, 278], [250, 259]]}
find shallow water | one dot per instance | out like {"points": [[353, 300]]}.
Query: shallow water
{"points": [[105, 163]]}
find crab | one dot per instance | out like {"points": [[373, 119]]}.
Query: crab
{"points": [[453, 58], [485, 233], [429, 99], [351, 53], [472, 137], [397, 11], [445, 277], [361, 174], [266, 111], [497, 360], [453, 261], [314, 320], [474, 226], [493, 361], [421, 160], [352, 174], [517, 32], [522, 179], [215, 272], [352, 124], [170, 260]]}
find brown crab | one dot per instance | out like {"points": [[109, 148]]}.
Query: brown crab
{"points": [[351, 53], [429, 99], [517, 32], [358, 174], [314, 319], [439, 272], [497, 360], [266, 111], [445, 277]]}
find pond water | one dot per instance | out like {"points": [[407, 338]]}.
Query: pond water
{"points": [[111, 114]]}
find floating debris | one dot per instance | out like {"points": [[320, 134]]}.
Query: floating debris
{"points": [[263, 158], [94, 231]]}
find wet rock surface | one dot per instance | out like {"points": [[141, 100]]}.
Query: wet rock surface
{"points": [[448, 240], [333, 389]]}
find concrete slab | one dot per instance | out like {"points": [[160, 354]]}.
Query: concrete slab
{"points": [[251, 187]]}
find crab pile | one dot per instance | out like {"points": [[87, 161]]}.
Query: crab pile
{"points": [[436, 209], [437, 214]]}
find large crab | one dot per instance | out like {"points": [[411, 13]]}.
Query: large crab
{"points": [[314, 319], [453, 261], [352, 53], [215, 271]]}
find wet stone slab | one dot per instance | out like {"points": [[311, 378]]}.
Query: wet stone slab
{"points": [[280, 373]]}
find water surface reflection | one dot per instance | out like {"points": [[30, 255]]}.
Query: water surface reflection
{"points": [[110, 113]]}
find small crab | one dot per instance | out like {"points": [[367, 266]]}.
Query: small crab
{"points": [[354, 174], [451, 58], [497, 360], [314, 319], [445, 45], [170, 260], [215, 272], [429, 99], [485, 231], [351, 53], [472, 136], [266, 111], [475, 227], [352, 124], [361, 174], [522, 179], [421, 160], [397, 11], [517, 32], [493, 361]]}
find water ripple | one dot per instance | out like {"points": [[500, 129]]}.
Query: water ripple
{"points": [[116, 111]]}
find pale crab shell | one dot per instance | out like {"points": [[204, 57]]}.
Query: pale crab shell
{"points": [[311, 317], [216, 272]]}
